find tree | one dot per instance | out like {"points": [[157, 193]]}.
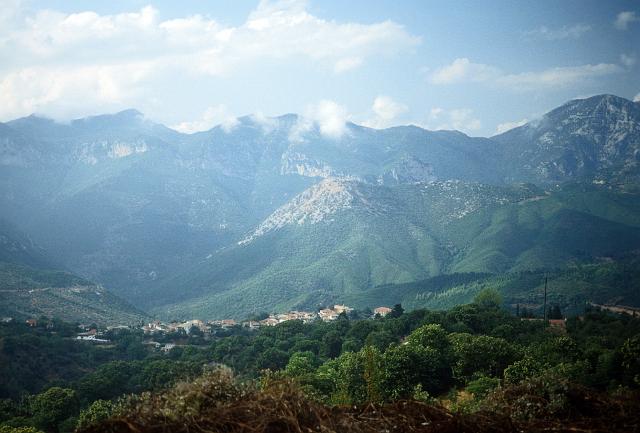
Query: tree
{"points": [[431, 335], [380, 339], [631, 358], [351, 345], [194, 331], [555, 313], [482, 386], [53, 406], [480, 354], [407, 366], [98, 411], [555, 350], [289, 329], [396, 311], [373, 373], [488, 298], [108, 381], [304, 345], [256, 317], [8, 409], [331, 344], [9, 429], [361, 329], [272, 359], [301, 363], [522, 369], [346, 374], [354, 315]]}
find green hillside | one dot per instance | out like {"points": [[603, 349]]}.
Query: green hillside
{"points": [[31, 286], [402, 234], [27, 292], [610, 282], [228, 222]]}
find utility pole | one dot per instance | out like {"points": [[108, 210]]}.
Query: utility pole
{"points": [[545, 300]]}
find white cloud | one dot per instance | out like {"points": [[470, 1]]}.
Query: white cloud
{"points": [[624, 19], [385, 111], [628, 60], [461, 119], [436, 112], [212, 116], [73, 92], [10, 13], [504, 127], [464, 70], [557, 77], [566, 32], [346, 64], [268, 124], [108, 47], [636, 98], [328, 116], [302, 126]]}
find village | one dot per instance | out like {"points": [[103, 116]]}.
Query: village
{"points": [[177, 331], [181, 333], [325, 314]]}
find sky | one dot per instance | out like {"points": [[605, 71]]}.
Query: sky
{"points": [[478, 67]]}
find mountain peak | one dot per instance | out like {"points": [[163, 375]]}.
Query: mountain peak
{"points": [[128, 114], [582, 139], [32, 119], [128, 118], [594, 102]]}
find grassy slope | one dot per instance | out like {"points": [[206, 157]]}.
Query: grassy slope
{"points": [[607, 282], [29, 292]]}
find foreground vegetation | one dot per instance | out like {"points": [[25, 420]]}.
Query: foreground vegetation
{"points": [[216, 402], [475, 367]]}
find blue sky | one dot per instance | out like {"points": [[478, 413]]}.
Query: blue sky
{"points": [[480, 67]]}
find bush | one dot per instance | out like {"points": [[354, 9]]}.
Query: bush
{"points": [[482, 386], [98, 411], [8, 429]]}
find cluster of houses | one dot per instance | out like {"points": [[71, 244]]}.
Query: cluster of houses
{"points": [[274, 319], [91, 334], [325, 314], [157, 327]]}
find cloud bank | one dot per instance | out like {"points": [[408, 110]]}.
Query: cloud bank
{"points": [[461, 119], [624, 19], [385, 112], [463, 70], [212, 116], [329, 117], [565, 32], [69, 64], [504, 127]]}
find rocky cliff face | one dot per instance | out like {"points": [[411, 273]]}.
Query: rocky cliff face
{"points": [[596, 138], [408, 169], [311, 206]]}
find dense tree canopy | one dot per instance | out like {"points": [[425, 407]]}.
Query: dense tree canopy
{"points": [[472, 349]]}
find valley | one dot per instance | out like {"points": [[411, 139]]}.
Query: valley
{"points": [[227, 223]]}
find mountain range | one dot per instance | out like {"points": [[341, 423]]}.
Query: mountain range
{"points": [[272, 214]]}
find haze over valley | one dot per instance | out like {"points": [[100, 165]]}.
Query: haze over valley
{"points": [[277, 216], [223, 224]]}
